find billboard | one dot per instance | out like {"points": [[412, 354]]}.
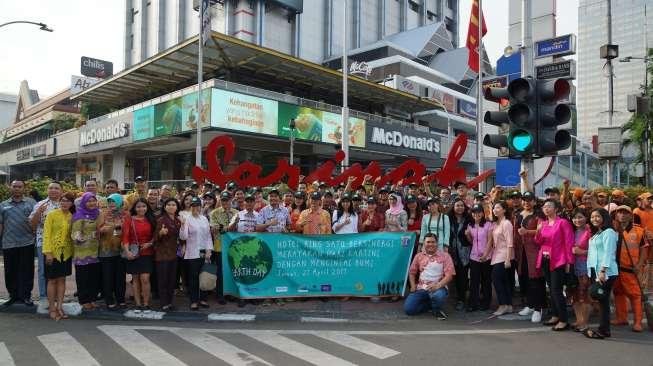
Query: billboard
{"points": [[189, 115], [143, 123], [96, 68], [399, 139], [320, 126], [241, 112]]}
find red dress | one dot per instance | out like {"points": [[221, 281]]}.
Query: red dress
{"points": [[143, 234]]}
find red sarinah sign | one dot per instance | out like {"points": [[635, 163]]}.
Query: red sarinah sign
{"points": [[248, 174]]}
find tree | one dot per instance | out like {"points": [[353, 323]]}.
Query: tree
{"points": [[90, 110], [635, 129]]}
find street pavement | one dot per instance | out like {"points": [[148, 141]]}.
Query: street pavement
{"points": [[34, 340]]}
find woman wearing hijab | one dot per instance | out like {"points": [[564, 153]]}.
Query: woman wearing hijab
{"points": [[113, 265], [137, 232], [396, 219], [85, 258]]}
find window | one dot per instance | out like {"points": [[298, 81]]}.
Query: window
{"points": [[451, 4], [413, 6]]}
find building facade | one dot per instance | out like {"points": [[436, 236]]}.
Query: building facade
{"points": [[7, 109], [629, 30], [310, 29]]}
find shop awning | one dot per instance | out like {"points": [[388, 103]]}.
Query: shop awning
{"points": [[235, 60]]}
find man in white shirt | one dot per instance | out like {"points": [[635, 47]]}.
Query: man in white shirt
{"points": [[245, 221]]}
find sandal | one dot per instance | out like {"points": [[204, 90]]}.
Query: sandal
{"points": [[551, 322], [62, 314], [56, 317], [593, 334]]}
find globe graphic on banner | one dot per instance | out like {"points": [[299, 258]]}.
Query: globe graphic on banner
{"points": [[250, 259]]}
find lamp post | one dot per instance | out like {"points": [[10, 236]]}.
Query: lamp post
{"points": [[42, 26], [292, 140]]}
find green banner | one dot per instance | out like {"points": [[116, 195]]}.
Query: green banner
{"points": [[267, 265]]}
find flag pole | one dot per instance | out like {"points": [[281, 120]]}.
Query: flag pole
{"points": [[479, 97]]}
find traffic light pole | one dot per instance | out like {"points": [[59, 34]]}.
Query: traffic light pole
{"points": [[479, 97], [610, 89], [527, 165]]}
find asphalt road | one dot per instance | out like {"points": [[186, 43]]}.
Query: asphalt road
{"points": [[33, 340]]}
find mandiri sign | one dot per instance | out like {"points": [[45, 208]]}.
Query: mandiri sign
{"points": [[559, 46], [260, 265]]}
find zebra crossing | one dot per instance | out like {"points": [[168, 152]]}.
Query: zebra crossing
{"points": [[66, 350]]}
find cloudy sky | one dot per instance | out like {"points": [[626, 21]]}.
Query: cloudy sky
{"points": [[95, 28]]}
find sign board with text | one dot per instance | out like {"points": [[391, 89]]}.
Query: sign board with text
{"points": [[609, 142], [81, 83], [558, 46], [96, 68], [394, 138], [565, 69], [106, 134]]}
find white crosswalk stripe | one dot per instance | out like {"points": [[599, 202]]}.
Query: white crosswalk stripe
{"points": [[294, 348], [66, 350], [219, 348], [140, 347], [358, 344], [5, 356]]}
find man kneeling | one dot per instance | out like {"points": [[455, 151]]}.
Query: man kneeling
{"points": [[435, 269]]}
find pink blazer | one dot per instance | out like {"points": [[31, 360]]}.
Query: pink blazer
{"points": [[557, 240]]}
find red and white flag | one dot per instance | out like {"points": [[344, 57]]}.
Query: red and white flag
{"points": [[472, 36]]}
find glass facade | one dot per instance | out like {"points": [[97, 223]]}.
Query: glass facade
{"points": [[628, 31]]}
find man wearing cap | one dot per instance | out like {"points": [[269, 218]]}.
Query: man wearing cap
{"points": [[382, 203], [140, 191], [462, 190], [259, 202], [314, 220], [602, 199], [219, 220], [328, 203], [514, 201], [370, 220], [552, 193], [245, 221], [631, 256], [164, 193], [206, 188], [273, 218], [287, 199], [238, 201], [195, 188]]}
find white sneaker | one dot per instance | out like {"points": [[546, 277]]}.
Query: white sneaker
{"points": [[536, 317], [526, 311]]}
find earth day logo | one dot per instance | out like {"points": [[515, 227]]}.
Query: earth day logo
{"points": [[250, 259]]}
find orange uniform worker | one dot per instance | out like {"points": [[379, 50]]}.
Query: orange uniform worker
{"points": [[644, 215], [632, 244]]}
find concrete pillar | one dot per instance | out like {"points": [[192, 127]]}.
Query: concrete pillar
{"points": [[118, 166]]}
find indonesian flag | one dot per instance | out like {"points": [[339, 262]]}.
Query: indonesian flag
{"points": [[472, 35]]}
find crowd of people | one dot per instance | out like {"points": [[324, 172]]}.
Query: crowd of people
{"points": [[570, 248]]}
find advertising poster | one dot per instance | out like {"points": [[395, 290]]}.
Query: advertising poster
{"points": [[260, 265], [241, 112], [332, 130], [168, 117], [308, 122], [143, 123], [189, 115]]}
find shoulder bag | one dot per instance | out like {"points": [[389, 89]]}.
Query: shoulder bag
{"points": [[134, 248]]}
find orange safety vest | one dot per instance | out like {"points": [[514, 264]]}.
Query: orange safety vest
{"points": [[633, 241]]}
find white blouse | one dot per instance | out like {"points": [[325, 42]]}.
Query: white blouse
{"points": [[197, 233], [350, 228]]}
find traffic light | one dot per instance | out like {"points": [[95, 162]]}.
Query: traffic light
{"points": [[520, 121], [553, 112]]}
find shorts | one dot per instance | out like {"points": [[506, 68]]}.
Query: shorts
{"points": [[142, 264], [59, 268]]}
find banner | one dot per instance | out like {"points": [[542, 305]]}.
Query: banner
{"points": [[260, 265], [320, 126], [235, 111], [143, 123]]}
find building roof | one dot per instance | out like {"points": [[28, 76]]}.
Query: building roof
{"points": [[423, 42], [454, 64], [230, 58]]}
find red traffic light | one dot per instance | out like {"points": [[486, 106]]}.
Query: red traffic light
{"points": [[554, 90]]}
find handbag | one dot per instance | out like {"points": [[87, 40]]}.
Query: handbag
{"points": [[133, 248], [208, 276]]}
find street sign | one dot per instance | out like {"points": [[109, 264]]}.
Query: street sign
{"points": [[507, 172], [609, 142], [96, 68], [557, 70], [80, 83], [495, 82], [559, 46]]}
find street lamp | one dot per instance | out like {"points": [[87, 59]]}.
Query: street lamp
{"points": [[292, 140], [42, 26]]}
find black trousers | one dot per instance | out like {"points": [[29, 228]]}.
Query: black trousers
{"points": [[480, 279], [216, 257], [556, 281], [462, 282], [88, 282], [536, 296], [501, 280], [604, 304], [524, 280], [113, 279], [19, 272], [193, 268], [167, 275]]}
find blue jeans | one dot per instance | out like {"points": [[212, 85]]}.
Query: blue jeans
{"points": [[421, 300], [43, 284]]}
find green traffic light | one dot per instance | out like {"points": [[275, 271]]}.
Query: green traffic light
{"points": [[521, 140]]}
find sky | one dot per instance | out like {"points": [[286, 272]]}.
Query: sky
{"points": [[94, 28]]}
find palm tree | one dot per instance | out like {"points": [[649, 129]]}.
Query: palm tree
{"points": [[635, 130]]}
